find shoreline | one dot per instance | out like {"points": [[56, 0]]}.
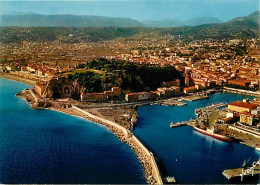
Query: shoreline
{"points": [[120, 135], [145, 157], [18, 79]]}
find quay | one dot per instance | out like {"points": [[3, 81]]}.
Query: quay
{"points": [[180, 124], [195, 97], [217, 105], [236, 173], [172, 102], [241, 91]]}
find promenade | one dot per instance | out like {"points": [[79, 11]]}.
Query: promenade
{"points": [[241, 91]]}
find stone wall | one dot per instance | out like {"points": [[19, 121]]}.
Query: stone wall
{"points": [[128, 134]]}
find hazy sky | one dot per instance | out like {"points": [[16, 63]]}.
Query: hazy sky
{"points": [[138, 9]]}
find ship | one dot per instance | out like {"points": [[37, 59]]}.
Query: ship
{"points": [[215, 135]]}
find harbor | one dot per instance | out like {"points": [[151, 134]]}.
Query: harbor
{"points": [[145, 158], [181, 140]]}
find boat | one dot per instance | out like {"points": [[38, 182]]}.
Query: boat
{"points": [[257, 147], [215, 135]]}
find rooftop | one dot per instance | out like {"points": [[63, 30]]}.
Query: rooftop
{"points": [[248, 105]]}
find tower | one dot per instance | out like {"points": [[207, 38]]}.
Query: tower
{"points": [[187, 78]]}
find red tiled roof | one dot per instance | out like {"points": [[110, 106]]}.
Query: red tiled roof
{"points": [[248, 105], [247, 113]]}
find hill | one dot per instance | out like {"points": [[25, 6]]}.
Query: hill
{"points": [[32, 20], [254, 17], [242, 28], [200, 21], [163, 23], [175, 23]]}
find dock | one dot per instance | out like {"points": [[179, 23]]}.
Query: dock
{"points": [[246, 172], [178, 124], [195, 97], [172, 102], [170, 180], [216, 105]]}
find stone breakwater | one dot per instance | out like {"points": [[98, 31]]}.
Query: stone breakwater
{"points": [[145, 156]]}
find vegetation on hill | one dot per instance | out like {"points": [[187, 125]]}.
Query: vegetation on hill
{"points": [[242, 28], [175, 22], [90, 81], [66, 20], [127, 76], [65, 34], [136, 77]]}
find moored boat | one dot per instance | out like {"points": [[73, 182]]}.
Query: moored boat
{"points": [[215, 135]]}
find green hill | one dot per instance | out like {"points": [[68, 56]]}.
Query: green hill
{"points": [[254, 17], [243, 28], [32, 20]]}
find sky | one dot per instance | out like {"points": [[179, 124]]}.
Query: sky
{"points": [[137, 9]]}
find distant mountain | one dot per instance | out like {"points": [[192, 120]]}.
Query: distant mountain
{"points": [[254, 17], [31, 20], [174, 23], [200, 21], [163, 23], [242, 28]]}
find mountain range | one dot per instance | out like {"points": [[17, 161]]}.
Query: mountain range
{"points": [[242, 27], [31, 19], [175, 22]]}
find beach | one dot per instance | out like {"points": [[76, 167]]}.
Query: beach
{"points": [[18, 79]]}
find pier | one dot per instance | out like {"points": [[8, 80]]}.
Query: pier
{"points": [[243, 172], [215, 106], [236, 173], [180, 124], [195, 97]]}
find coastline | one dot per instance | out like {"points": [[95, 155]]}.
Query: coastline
{"points": [[18, 79], [119, 135], [144, 156]]}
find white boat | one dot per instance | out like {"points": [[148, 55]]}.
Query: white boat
{"points": [[257, 148]]}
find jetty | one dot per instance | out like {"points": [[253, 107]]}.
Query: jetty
{"points": [[243, 172], [170, 180], [172, 102], [216, 105], [178, 124], [145, 156]]}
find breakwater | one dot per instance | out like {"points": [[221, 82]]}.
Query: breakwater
{"points": [[144, 155]]}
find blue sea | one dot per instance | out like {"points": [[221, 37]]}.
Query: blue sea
{"points": [[189, 156], [44, 146]]}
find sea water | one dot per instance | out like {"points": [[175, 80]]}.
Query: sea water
{"points": [[182, 152], [44, 146]]}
